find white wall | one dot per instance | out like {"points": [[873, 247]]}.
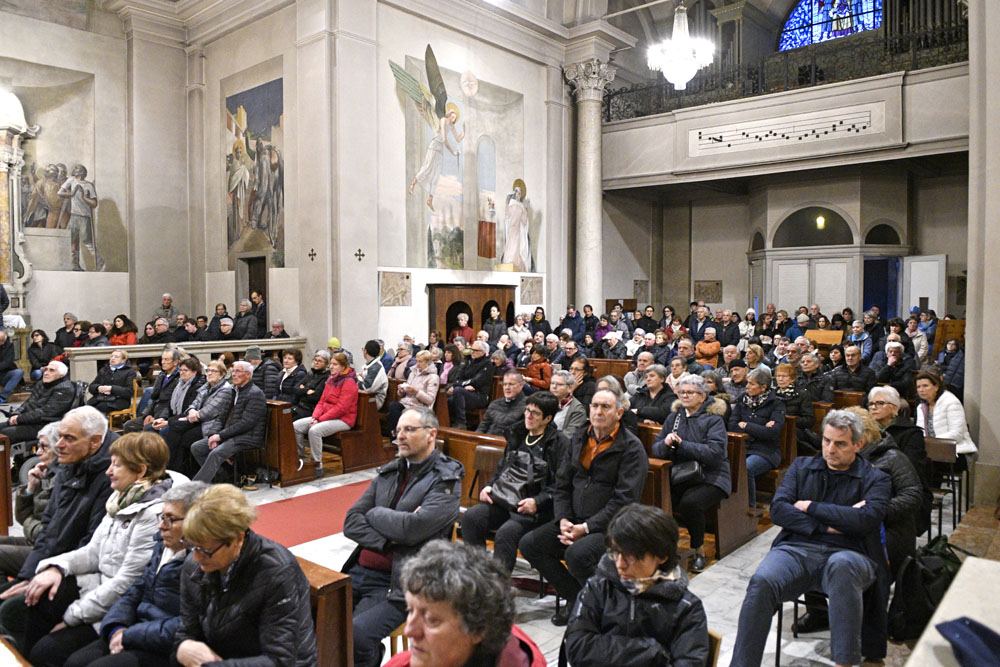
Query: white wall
{"points": [[92, 296], [941, 215], [719, 241], [627, 233]]}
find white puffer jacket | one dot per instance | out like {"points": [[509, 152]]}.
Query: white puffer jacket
{"points": [[949, 422], [115, 557]]}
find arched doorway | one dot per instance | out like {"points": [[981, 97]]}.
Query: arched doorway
{"points": [[447, 301]]}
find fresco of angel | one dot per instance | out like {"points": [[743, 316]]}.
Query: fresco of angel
{"points": [[441, 116]]}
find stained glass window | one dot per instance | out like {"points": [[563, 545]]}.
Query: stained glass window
{"points": [[815, 21]]}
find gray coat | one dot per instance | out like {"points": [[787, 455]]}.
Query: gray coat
{"points": [[501, 414], [434, 486], [213, 404], [575, 419], [247, 418], [245, 326]]}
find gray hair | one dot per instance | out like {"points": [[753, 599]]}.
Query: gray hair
{"points": [[551, 337], [175, 353], [888, 393], [841, 419], [72, 316], [859, 322], [403, 343], [241, 365], [462, 316], [659, 369], [715, 376], [811, 355], [712, 329], [185, 493], [499, 355], [481, 345], [474, 585], [50, 433], [761, 375], [696, 382], [646, 352], [247, 302], [226, 320], [161, 319], [427, 416], [322, 353], [92, 421], [894, 345], [167, 295], [565, 376], [278, 322], [60, 367], [615, 391], [613, 385]]}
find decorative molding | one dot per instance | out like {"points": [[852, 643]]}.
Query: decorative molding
{"points": [[589, 79]]}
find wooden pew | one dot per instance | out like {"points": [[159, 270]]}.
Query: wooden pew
{"points": [[771, 480], [844, 399], [361, 447], [616, 367], [332, 608], [280, 450], [656, 492], [441, 408], [473, 417], [820, 408], [392, 392]]}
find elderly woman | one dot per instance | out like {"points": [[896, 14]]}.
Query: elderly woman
{"points": [[293, 373], [420, 389], [404, 360], [310, 389], [678, 371], [30, 502], [571, 416], [189, 381], [637, 609], [538, 372], [64, 606], [501, 364], [205, 416], [695, 431], [652, 402], [761, 415], [112, 388], [460, 612], [637, 342], [520, 332], [139, 628], [534, 444], [798, 403], [717, 391], [706, 352], [463, 330], [244, 598], [336, 411]]}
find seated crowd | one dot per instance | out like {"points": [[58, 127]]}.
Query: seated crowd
{"points": [[91, 569]]}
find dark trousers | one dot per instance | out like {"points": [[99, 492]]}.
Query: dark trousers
{"points": [[691, 503], [13, 552], [461, 400], [55, 648], [96, 654], [545, 552], [478, 521], [21, 432], [392, 415], [45, 615], [375, 615], [179, 438]]}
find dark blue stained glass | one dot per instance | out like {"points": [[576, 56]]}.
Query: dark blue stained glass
{"points": [[815, 21]]}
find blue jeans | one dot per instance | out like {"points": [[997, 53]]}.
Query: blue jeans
{"points": [[36, 374], [788, 571], [375, 615], [10, 380], [756, 466], [147, 395]]}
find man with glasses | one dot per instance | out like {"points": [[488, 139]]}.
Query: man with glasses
{"points": [[604, 470], [469, 386], [412, 500], [505, 412], [65, 336], [244, 427]]}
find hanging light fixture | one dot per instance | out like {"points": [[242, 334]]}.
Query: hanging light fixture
{"points": [[681, 56]]}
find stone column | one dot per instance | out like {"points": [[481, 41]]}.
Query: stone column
{"points": [[588, 79], [196, 175], [556, 264], [6, 258]]}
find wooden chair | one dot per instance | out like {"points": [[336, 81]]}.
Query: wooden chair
{"points": [[361, 447], [617, 367], [332, 608], [117, 418], [714, 645], [845, 399], [820, 408], [944, 453], [461, 446], [473, 417], [403, 643], [771, 480], [485, 463], [441, 408]]}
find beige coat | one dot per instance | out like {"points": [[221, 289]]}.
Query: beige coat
{"points": [[426, 382]]}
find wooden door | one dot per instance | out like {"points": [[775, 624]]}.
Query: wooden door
{"points": [[447, 301]]}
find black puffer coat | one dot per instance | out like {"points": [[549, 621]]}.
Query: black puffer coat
{"points": [[48, 402], [764, 440], [287, 384], [703, 439], [665, 625], [266, 375], [655, 409], [120, 381], [904, 503], [262, 614], [312, 382], [39, 356]]}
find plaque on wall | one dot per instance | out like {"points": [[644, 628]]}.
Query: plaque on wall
{"points": [[395, 289], [531, 290], [640, 290], [709, 291]]}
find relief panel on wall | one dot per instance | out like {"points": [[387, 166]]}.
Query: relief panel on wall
{"points": [[69, 218], [464, 137], [253, 143]]}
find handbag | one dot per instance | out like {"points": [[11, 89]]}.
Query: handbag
{"points": [[520, 479], [684, 473]]}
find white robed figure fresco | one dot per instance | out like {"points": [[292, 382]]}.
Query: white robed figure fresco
{"points": [[517, 248]]}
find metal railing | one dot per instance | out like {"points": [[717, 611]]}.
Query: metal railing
{"points": [[855, 57]]}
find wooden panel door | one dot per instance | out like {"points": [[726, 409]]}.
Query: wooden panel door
{"points": [[447, 301]]}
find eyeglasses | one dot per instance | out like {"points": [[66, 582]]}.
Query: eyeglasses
{"points": [[877, 404], [161, 517], [615, 554], [688, 392], [534, 412], [207, 553], [408, 430]]}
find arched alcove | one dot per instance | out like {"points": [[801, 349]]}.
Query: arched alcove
{"points": [[882, 235], [486, 311], [757, 242], [813, 226], [451, 316]]}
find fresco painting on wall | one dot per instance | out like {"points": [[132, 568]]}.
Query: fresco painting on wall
{"points": [[463, 135], [69, 221], [253, 141]]}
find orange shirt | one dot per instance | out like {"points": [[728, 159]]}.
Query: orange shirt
{"points": [[593, 447]]}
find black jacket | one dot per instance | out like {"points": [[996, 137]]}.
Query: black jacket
{"points": [[248, 417], [495, 329], [76, 507], [48, 402], [313, 382], [763, 440], [616, 478], [213, 325], [899, 376], [65, 338], [605, 351], [159, 400], [120, 382], [260, 312], [728, 334], [40, 356], [7, 362], [477, 373], [434, 485], [551, 449], [656, 409], [245, 326], [665, 625], [262, 612], [703, 439], [819, 386], [904, 503], [909, 438], [502, 414], [287, 385], [798, 404], [266, 376], [861, 380], [536, 326], [585, 391]]}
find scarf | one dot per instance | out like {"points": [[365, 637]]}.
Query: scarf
{"points": [[177, 396], [787, 392], [640, 586], [754, 402], [122, 499]]}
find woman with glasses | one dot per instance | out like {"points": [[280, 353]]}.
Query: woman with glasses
{"points": [[538, 442], [243, 596], [81, 333], [41, 352], [695, 431], [798, 403], [652, 403], [584, 384], [65, 606], [637, 609], [421, 388], [205, 416]]}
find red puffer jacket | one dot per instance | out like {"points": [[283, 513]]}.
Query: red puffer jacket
{"points": [[339, 399]]}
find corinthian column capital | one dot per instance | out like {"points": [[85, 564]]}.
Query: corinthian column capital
{"points": [[589, 78]]}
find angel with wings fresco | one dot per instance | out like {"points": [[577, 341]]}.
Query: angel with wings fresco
{"points": [[441, 116]]}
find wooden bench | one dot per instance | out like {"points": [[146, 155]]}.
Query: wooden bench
{"points": [[616, 367], [473, 417], [844, 399], [280, 451], [361, 447], [820, 408], [332, 607], [771, 480]]}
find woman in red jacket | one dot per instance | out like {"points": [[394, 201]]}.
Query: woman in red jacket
{"points": [[124, 332], [336, 411]]}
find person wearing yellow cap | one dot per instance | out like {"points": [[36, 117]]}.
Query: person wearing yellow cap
{"points": [[334, 346]]}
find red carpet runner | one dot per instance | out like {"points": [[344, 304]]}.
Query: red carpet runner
{"points": [[309, 517]]}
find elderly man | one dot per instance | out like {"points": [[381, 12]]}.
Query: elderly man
{"points": [[161, 332], [76, 506], [10, 374], [570, 353], [166, 310], [50, 399], [730, 353], [604, 470], [243, 430], [65, 336], [728, 330], [830, 509], [277, 330], [462, 330], [469, 386], [700, 322], [611, 346], [685, 350], [817, 384], [619, 323], [552, 349], [158, 406], [636, 379], [897, 370], [411, 500], [505, 412], [245, 324], [853, 375], [225, 329], [736, 382]]}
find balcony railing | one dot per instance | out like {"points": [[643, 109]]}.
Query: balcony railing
{"points": [[855, 57]]}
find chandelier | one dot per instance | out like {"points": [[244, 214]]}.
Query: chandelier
{"points": [[681, 56]]}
